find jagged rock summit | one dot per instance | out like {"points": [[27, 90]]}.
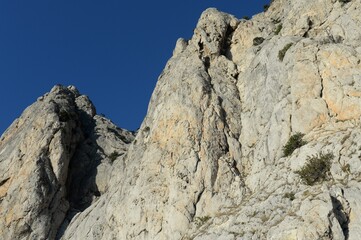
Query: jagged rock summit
{"points": [[208, 161], [55, 160]]}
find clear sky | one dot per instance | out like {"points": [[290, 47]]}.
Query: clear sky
{"points": [[111, 50]]}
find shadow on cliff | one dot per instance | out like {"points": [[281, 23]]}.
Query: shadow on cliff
{"points": [[81, 181]]}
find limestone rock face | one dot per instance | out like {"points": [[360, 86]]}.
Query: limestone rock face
{"points": [[207, 161], [50, 160]]}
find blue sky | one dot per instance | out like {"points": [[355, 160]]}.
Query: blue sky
{"points": [[112, 51]]}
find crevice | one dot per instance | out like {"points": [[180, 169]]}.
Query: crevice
{"points": [[290, 123], [226, 42], [2, 182], [207, 63], [197, 163], [310, 25], [80, 183], [341, 215], [321, 82], [200, 46], [145, 231], [232, 164]]}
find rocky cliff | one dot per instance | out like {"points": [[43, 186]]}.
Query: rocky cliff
{"points": [[252, 132]]}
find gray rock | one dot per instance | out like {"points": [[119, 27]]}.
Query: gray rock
{"points": [[207, 161], [216, 124], [48, 163]]}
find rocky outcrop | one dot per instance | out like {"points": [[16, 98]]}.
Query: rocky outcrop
{"points": [[208, 159], [53, 163]]}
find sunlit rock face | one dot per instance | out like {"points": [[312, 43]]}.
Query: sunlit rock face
{"points": [[208, 159], [54, 162]]}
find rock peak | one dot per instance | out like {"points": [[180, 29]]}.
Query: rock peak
{"points": [[55, 159], [212, 31]]}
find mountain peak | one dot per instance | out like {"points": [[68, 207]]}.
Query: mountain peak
{"points": [[55, 160]]}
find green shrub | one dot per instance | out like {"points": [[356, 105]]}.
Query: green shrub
{"points": [[293, 143], [265, 7], [317, 168], [114, 155], [202, 220], [278, 28], [282, 53], [344, 1], [246, 18]]}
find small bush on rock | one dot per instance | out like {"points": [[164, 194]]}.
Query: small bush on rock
{"points": [[278, 28], [202, 220], [317, 168], [293, 143], [282, 53]]}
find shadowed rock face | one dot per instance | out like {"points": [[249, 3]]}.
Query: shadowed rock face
{"points": [[207, 162]]}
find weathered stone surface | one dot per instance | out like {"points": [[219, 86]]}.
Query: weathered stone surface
{"points": [[49, 161], [208, 158], [207, 161]]}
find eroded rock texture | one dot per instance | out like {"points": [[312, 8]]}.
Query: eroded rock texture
{"points": [[207, 162], [53, 164]]}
